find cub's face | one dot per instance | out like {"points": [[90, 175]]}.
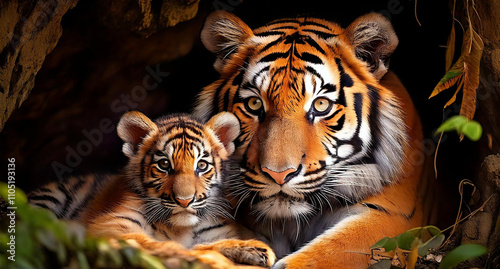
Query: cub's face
{"points": [[175, 165], [317, 129]]}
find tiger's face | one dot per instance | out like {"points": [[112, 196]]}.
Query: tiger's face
{"points": [[317, 127], [175, 165]]}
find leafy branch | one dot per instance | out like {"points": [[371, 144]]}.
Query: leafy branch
{"points": [[465, 72], [404, 250]]}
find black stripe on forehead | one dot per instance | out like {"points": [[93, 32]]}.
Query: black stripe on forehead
{"points": [[271, 44], [273, 57], [306, 22], [308, 57], [182, 136], [284, 27], [270, 33], [278, 21], [315, 45], [184, 147], [320, 34], [192, 126]]}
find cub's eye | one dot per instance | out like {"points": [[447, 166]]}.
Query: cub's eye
{"points": [[202, 166], [253, 105], [322, 106], [163, 165]]}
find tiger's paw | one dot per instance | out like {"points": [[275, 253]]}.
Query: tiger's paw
{"points": [[252, 252]]}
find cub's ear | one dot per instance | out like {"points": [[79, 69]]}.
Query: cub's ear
{"points": [[222, 33], [132, 129], [374, 40], [226, 127]]}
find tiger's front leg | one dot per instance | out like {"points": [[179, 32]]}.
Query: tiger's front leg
{"points": [[342, 245], [216, 255]]}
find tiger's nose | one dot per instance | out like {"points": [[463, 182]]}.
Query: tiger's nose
{"points": [[184, 202], [279, 177]]}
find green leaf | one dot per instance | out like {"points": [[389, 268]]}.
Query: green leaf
{"points": [[406, 240], [47, 239], [432, 243], [449, 79], [110, 254], [150, 262], [449, 75], [451, 124], [388, 244], [131, 255], [472, 129], [433, 230], [23, 264], [381, 243], [61, 252], [20, 196], [82, 260], [462, 253], [383, 264]]}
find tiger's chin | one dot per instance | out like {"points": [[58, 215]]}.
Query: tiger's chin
{"points": [[183, 217], [282, 207]]}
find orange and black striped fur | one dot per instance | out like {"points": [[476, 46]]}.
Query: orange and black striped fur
{"points": [[169, 197], [323, 163]]}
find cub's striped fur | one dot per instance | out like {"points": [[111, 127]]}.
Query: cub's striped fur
{"points": [[169, 196], [321, 163]]}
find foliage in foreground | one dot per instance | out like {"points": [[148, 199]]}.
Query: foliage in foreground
{"points": [[404, 250], [43, 241]]}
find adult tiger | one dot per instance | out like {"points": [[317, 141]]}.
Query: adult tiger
{"points": [[168, 198], [326, 130]]}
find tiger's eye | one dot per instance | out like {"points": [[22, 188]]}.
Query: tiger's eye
{"points": [[163, 165], [321, 105], [254, 104], [202, 166]]}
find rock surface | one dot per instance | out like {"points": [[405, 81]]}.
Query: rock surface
{"points": [[29, 30], [145, 17]]}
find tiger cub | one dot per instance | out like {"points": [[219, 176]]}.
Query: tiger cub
{"points": [[169, 196]]}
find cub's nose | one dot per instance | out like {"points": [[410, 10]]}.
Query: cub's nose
{"points": [[184, 202], [279, 177]]}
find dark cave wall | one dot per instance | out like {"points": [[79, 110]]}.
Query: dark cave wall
{"points": [[29, 31], [100, 68]]}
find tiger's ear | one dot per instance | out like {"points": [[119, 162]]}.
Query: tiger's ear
{"points": [[222, 33], [374, 40], [226, 127], [132, 129]]}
